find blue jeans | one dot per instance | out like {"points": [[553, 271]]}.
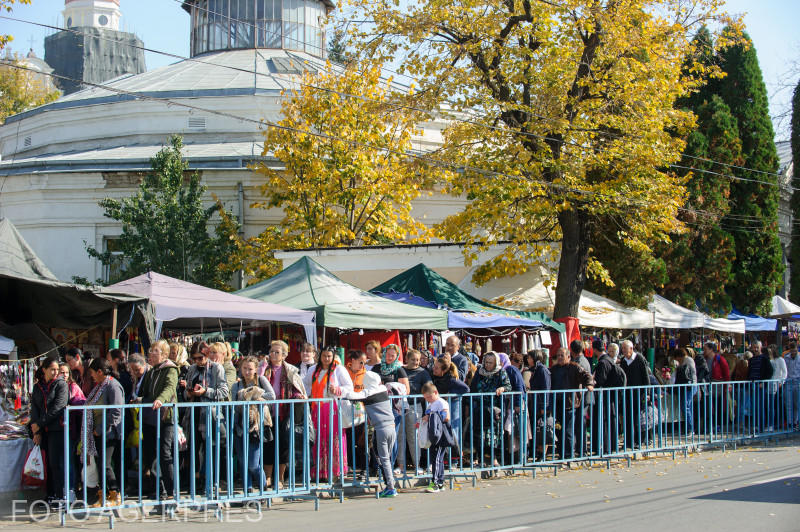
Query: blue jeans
{"points": [[688, 407], [791, 394], [255, 468]]}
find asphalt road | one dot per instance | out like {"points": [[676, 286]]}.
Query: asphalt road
{"points": [[749, 488]]}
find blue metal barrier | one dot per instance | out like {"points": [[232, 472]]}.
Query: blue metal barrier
{"points": [[201, 455]]}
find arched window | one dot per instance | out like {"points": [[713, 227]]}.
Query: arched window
{"points": [[236, 24]]}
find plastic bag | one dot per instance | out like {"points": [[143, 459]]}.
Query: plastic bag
{"points": [[424, 437], [183, 443], [353, 414], [92, 474], [34, 473]]}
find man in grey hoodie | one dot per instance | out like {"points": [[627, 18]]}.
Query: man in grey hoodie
{"points": [[379, 412]]}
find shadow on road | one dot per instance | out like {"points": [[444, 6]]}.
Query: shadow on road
{"points": [[784, 491]]}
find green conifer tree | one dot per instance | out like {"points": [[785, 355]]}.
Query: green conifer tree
{"points": [[758, 268], [794, 292], [699, 262]]}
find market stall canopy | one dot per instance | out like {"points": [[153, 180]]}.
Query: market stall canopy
{"points": [[601, 312], [753, 322], [307, 285], [17, 258], [784, 309], [408, 298], [29, 338], [188, 307], [465, 320], [528, 291], [669, 315], [31, 293], [423, 282], [6, 345]]}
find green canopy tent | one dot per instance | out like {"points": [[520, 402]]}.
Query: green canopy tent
{"points": [[423, 282], [307, 285]]}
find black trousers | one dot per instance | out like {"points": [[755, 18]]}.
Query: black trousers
{"points": [[149, 446], [110, 458], [634, 402], [53, 447]]}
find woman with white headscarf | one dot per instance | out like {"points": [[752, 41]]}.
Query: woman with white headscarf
{"points": [[487, 423]]}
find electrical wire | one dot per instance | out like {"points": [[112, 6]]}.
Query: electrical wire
{"points": [[400, 105], [168, 101]]}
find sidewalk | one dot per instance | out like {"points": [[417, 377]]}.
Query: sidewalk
{"points": [[751, 487]]}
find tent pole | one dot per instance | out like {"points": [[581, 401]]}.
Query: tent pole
{"points": [[114, 322]]}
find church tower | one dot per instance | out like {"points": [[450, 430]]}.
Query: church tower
{"points": [[92, 48]]}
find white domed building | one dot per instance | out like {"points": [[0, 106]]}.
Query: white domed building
{"points": [[60, 159]]}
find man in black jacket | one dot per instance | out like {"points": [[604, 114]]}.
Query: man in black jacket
{"points": [[635, 369], [760, 369], [604, 414]]}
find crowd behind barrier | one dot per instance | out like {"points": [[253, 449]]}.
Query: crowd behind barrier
{"points": [[201, 437]]}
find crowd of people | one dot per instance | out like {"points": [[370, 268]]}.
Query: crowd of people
{"points": [[563, 419]]}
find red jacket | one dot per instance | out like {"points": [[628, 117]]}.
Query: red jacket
{"points": [[720, 370]]}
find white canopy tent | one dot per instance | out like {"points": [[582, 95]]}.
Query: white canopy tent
{"points": [[784, 309], [669, 315], [529, 292]]}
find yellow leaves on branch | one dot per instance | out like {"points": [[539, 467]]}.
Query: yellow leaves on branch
{"points": [[570, 107], [346, 178], [5, 7]]}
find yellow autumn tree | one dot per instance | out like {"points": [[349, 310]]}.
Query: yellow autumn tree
{"points": [[22, 89], [565, 120], [347, 177]]}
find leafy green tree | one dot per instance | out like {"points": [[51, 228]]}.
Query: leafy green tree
{"points": [[758, 268], [795, 252], [165, 226]]}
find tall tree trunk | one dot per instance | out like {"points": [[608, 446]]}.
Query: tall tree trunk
{"points": [[575, 245]]}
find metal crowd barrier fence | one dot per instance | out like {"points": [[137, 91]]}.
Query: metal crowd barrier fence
{"points": [[210, 455]]}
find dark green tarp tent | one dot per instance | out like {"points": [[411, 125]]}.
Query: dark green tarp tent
{"points": [[423, 282]]}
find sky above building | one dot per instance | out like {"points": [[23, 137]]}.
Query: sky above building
{"points": [[164, 26]]}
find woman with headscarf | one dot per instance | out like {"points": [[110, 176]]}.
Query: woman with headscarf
{"points": [[390, 369], [328, 379], [487, 422], [514, 403]]}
